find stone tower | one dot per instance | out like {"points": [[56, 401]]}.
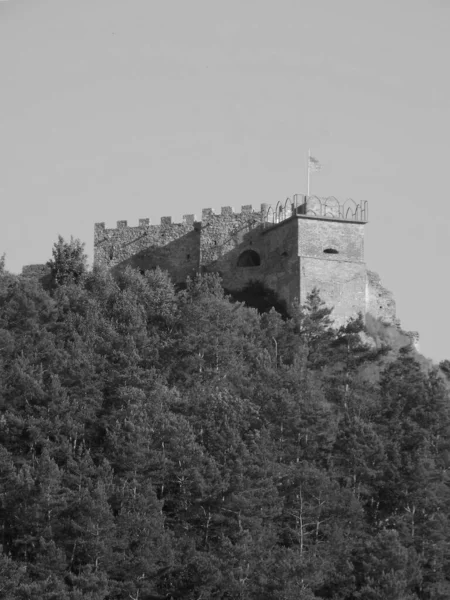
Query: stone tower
{"points": [[331, 254]]}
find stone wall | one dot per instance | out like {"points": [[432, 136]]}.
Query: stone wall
{"points": [[380, 302], [223, 233], [332, 260], [282, 263], [276, 246], [341, 284], [292, 258], [180, 248], [174, 247], [317, 235], [227, 236]]}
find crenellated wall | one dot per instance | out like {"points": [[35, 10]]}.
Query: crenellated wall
{"points": [[180, 248], [174, 247], [223, 233]]}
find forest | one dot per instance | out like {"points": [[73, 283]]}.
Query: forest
{"points": [[163, 443]]}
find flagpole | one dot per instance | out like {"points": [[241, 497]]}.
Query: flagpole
{"points": [[307, 170]]}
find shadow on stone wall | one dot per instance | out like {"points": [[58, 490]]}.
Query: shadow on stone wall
{"points": [[185, 256], [180, 257]]}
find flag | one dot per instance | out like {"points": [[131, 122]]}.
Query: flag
{"points": [[313, 164]]}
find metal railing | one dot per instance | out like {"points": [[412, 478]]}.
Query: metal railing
{"points": [[313, 206]]}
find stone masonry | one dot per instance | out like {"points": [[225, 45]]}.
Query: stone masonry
{"points": [[308, 242]]}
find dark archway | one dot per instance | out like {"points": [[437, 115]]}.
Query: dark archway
{"points": [[249, 258]]}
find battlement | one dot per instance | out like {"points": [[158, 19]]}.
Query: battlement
{"points": [[228, 211], [190, 219], [299, 205], [164, 222]]}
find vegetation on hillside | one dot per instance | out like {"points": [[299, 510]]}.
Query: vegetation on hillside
{"points": [[159, 443]]}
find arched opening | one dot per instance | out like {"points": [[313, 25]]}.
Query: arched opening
{"points": [[249, 258], [330, 251]]}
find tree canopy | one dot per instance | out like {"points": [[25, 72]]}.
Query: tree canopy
{"points": [[158, 443]]}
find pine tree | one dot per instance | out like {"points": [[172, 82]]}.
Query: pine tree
{"points": [[69, 262]]}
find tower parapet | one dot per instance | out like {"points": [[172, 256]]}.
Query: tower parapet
{"points": [[317, 207]]}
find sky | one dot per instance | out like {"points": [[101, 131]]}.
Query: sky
{"points": [[114, 109]]}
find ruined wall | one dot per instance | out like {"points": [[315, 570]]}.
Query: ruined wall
{"points": [[380, 302], [414, 336]]}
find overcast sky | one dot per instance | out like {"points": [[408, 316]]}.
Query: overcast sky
{"points": [[124, 109]]}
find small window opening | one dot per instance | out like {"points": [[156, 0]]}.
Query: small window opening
{"points": [[188, 256], [249, 258], [284, 254], [215, 242], [111, 253], [330, 251]]}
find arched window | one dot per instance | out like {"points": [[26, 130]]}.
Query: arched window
{"points": [[249, 258], [330, 251]]}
